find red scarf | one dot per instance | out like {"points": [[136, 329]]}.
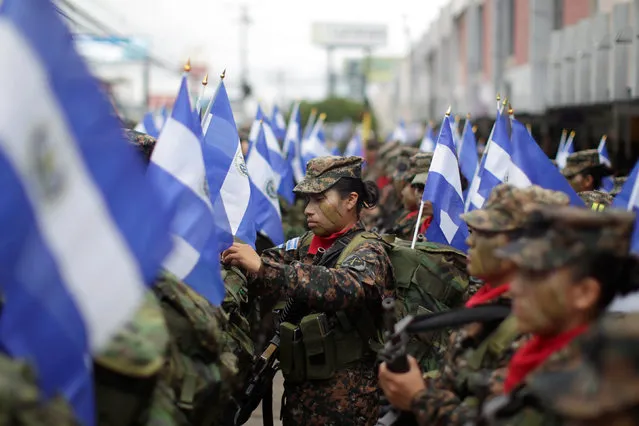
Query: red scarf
{"points": [[382, 181], [487, 293], [325, 242], [411, 215], [425, 225], [534, 353]]}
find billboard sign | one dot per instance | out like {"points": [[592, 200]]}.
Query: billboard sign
{"points": [[110, 49], [349, 35]]}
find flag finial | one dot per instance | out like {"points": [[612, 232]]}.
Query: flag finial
{"points": [[223, 74], [187, 66], [313, 110], [505, 101], [572, 133], [474, 129], [468, 116], [206, 80], [498, 97], [604, 137], [322, 116], [448, 111], [511, 111]]}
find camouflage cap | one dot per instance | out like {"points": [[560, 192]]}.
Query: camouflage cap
{"points": [[579, 161], [505, 208], [599, 374], [324, 172], [555, 236], [596, 200], [619, 183], [142, 141], [420, 163], [398, 161], [386, 148]]}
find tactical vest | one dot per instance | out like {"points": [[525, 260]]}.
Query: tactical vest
{"points": [[321, 343]]}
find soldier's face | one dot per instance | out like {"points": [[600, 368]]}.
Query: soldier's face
{"points": [[581, 182], [482, 262], [408, 198], [327, 213]]}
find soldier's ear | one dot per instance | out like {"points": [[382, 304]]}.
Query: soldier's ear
{"points": [[351, 201]]}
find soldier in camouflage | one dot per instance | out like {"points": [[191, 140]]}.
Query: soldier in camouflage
{"points": [[572, 263], [328, 366], [596, 200], [397, 164], [585, 171], [477, 356], [619, 183]]}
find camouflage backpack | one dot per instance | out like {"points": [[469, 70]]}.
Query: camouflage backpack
{"points": [[431, 278]]}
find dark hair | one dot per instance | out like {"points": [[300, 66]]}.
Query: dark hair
{"points": [[618, 275], [367, 191], [597, 173]]}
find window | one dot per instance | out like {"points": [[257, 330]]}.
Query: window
{"points": [[558, 14]]}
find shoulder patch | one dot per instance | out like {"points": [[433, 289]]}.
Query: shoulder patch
{"points": [[354, 262], [290, 244]]}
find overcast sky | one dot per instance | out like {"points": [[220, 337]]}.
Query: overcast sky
{"points": [[279, 36]]}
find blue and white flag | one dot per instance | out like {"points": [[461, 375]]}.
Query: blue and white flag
{"points": [[443, 189], [531, 166], [147, 125], [83, 230], [310, 124], [628, 199], [497, 160], [428, 141], [255, 126], [607, 183], [562, 144], [177, 166], [266, 181], [227, 174], [468, 160], [315, 145], [161, 119], [355, 147], [569, 148], [278, 123], [292, 144], [400, 134]]}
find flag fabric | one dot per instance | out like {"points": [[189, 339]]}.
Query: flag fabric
{"points": [[562, 144], [454, 126], [292, 144], [443, 189], [265, 181], [83, 229], [498, 159], [161, 118], [607, 183], [315, 145], [400, 134], [147, 125], [531, 166], [428, 141], [280, 164], [468, 160], [227, 174], [355, 147], [279, 124], [255, 126], [310, 124], [177, 166], [569, 148]]}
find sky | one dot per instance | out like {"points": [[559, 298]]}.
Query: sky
{"points": [[281, 56]]}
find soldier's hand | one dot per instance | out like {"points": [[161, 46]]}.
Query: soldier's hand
{"points": [[244, 256], [400, 388]]}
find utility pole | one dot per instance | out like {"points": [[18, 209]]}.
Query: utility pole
{"points": [[245, 22]]}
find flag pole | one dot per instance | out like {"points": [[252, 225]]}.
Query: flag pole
{"points": [[208, 107], [200, 96]]}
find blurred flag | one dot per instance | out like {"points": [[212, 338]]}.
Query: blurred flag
{"points": [[454, 127], [227, 173], [292, 144], [266, 181], [310, 124], [498, 159], [468, 160], [355, 146], [161, 118], [569, 148], [315, 145], [255, 126], [177, 167], [443, 189], [278, 123], [399, 134], [147, 125], [628, 199], [531, 166], [607, 183], [83, 230], [428, 141], [562, 144]]}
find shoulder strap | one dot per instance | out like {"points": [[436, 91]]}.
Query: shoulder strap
{"points": [[496, 343], [355, 242]]}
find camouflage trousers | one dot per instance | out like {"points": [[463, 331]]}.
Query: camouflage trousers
{"points": [[351, 397]]}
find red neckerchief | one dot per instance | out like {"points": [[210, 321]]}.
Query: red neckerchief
{"points": [[425, 225], [383, 181], [325, 242], [487, 293], [411, 215], [534, 353]]}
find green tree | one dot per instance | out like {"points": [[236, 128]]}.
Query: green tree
{"points": [[336, 110]]}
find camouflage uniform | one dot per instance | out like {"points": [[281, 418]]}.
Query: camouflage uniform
{"points": [[596, 200], [22, 402], [553, 238], [619, 183], [586, 161], [477, 357], [398, 163], [350, 396]]}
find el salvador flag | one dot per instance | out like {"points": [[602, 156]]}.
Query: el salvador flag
{"points": [[255, 126], [355, 147], [498, 161], [443, 189], [279, 124], [531, 166], [468, 161], [292, 144], [147, 125], [569, 148], [428, 141], [315, 145], [227, 173], [265, 180], [161, 119], [177, 166], [83, 230], [607, 183]]}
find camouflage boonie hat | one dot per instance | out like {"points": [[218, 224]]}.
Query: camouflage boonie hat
{"points": [[504, 210], [596, 200], [555, 236], [420, 165], [324, 172], [619, 181], [598, 376], [142, 141], [579, 161]]}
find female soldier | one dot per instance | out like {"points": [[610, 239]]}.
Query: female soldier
{"points": [[327, 365], [478, 350], [571, 263]]}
